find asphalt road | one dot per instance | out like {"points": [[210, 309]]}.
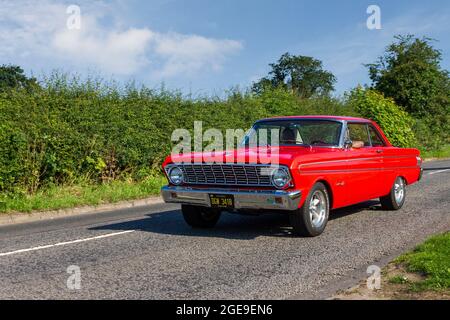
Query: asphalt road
{"points": [[150, 253]]}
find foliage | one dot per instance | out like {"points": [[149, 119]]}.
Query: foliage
{"points": [[395, 122], [442, 153], [83, 193], [71, 131], [14, 77], [13, 147], [432, 258], [302, 75], [410, 73], [399, 279], [433, 132]]}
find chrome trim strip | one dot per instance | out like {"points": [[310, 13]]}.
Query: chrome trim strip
{"points": [[343, 133], [244, 199], [358, 169], [380, 157], [269, 165]]}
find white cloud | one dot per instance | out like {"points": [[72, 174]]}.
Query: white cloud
{"points": [[38, 30], [190, 53], [118, 52]]}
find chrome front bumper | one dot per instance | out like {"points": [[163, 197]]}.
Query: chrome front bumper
{"points": [[243, 199]]}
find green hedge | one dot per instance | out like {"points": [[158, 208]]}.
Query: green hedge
{"points": [[396, 123], [68, 131]]}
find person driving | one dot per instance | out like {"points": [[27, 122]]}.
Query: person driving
{"points": [[287, 136]]}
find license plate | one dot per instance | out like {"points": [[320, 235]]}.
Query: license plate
{"points": [[222, 200]]}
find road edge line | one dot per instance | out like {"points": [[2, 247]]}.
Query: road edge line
{"points": [[64, 243]]}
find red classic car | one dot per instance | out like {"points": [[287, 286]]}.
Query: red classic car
{"points": [[324, 163]]}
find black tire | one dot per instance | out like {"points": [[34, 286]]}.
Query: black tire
{"points": [[302, 222], [200, 217], [391, 201]]}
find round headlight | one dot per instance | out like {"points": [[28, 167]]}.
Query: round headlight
{"points": [[280, 178], [176, 175]]}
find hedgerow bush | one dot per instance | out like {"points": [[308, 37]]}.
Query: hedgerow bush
{"points": [[395, 122], [68, 130], [13, 149], [433, 131]]}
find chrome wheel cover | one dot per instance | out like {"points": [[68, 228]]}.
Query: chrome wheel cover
{"points": [[399, 190], [318, 209]]}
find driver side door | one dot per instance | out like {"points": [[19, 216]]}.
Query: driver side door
{"points": [[364, 164]]}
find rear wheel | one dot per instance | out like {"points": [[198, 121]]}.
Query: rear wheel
{"points": [[200, 217], [311, 219], [396, 197]]}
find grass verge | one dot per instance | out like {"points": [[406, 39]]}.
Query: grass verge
{"points": [[442, 153], [431, 260], [423, 273], [62, 197]]}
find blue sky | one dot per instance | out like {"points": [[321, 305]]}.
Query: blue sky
{"points": [[205, 46]]}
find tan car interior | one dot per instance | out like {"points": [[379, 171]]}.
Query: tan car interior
{"points": [[357, 144]]}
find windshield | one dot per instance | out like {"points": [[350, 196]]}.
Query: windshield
{"points": [[294, 132]]}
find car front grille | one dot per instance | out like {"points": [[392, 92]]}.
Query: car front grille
{"points": [[227, 174]]}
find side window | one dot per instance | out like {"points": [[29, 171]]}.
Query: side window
{"points": [[375, 138], [358, 132]]}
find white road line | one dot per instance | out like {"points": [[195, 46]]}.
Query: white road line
{"points": [[65, 243], [439, 171]]}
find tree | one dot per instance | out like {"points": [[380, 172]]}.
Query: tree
{"points": [[410, 73], [302, 75], [14, 77]]}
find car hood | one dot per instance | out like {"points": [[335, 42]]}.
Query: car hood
{"points": [[284, 154]]}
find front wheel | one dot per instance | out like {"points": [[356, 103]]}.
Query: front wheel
{"points": [[200, 217], [396, 197], [311, 219]]}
